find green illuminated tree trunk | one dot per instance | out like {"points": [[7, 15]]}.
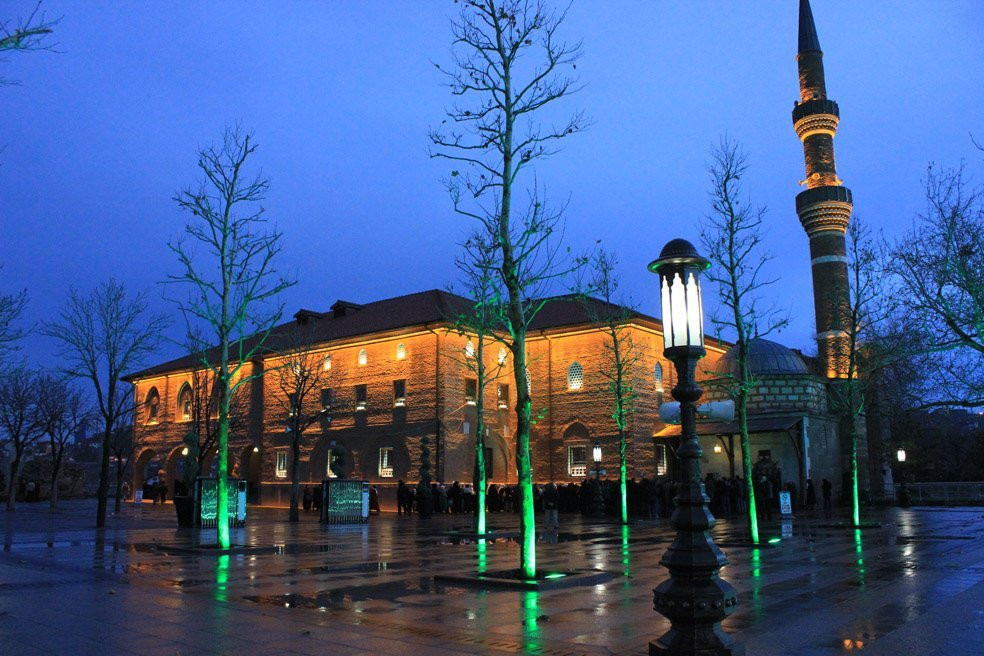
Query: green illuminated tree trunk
{"points": [[732, 236], [235, 284], [510, 64]]}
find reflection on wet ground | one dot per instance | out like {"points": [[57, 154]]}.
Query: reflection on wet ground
{"points": [[142, 586]]}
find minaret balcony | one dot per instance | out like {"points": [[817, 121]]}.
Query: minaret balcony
{"points": [[824, 208], [818, 117]]}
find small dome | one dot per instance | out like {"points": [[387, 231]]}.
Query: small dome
{"points": [[765, 357]]}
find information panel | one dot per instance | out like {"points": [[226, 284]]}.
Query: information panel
{"points": [[785, 503], [345, 502], [206, 496]]}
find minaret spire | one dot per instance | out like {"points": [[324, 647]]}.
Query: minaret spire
{"points": [[808, 39], [825, 207]]}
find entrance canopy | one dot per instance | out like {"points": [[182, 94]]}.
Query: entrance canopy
{"points": [[755, 425]]}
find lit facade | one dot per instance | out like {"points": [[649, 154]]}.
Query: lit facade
{"points": [[396, 373]]}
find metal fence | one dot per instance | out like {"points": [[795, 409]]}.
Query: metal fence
{"points": [[947, 494]]}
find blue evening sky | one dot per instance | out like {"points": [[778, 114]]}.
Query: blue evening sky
{"points": [[340, 95]]}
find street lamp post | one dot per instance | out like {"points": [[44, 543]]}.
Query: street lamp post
{"points": [[598, 498], [905, 498], [694, 598]]}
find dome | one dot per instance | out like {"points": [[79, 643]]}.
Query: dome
{"points": [[765, 357]]}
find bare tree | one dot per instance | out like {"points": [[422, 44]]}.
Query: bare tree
{"points": [[203, 424], [234, 285], [621, 357], [26, 34], [102, 336], [21, 420], [731, 234], [302, 380], [509, 64], [11, 308], [938, 268], [483, 320], [64, 413], [869, 348]]}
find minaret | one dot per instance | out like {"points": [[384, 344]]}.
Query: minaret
{"points": [[825, 207]]}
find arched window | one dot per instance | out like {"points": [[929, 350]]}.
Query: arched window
{"points": [[658, 377], [152, 406], [363, 357], [502, 355], [184, 403], [470, 349], [575, 377], [327, 364], [401, 351]]}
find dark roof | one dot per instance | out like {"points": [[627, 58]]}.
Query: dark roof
{"points": [[765, 357], [420, 309], [808, 39]]}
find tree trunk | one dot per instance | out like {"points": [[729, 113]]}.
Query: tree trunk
{"points": [[55, 468], [12, 483], [295, 475], [102, 493], [746, 462], [622, 476], [118, 503]]}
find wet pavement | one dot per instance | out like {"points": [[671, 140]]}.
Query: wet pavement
{"points": [[913, 586]]}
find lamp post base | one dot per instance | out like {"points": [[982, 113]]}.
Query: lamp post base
{"points": [[658, 648]]}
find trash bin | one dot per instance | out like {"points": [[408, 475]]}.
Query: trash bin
{"points": [[344, 501], [206, 502]]}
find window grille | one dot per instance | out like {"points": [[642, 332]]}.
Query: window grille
{"points": [[502, 355], [363, 358], [360, 397], [386, 462], [153, 405], [184, 403], [577, 460], [282, 464], [401, 351], [399, 393], [661, 460], [327, 364], [470, 349], [575, 377], [471, 391], [503, 396]]}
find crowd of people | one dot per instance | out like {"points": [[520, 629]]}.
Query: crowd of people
{"points": [[646, 498]]}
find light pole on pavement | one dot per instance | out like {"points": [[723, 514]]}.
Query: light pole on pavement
{"points": [[694, 598]]}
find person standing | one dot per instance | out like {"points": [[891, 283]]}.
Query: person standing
{"points": [[550, 500], [825, 488]]}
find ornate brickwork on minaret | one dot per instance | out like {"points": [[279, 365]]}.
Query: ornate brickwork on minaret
{"points": [[825, 207]]}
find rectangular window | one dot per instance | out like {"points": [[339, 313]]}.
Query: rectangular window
{"points": [[386, 462], [399, 393], [282, 463], [577, 461], [291, 405], [661, 460], [466, 428], [503, 396], [326, 399], [360, 397], [471, 391]]}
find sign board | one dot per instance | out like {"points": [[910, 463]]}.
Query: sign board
{"points": [[785, 503], [787, 530], [344, 501], [137, 497], [207, 502]]}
